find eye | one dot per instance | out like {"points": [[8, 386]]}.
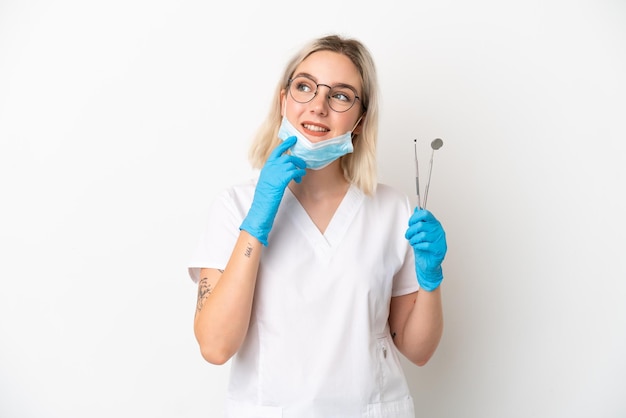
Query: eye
{"points": [[342, 95], [304, 85]]}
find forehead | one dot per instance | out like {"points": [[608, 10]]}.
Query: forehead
{"points": [[331, 68]]}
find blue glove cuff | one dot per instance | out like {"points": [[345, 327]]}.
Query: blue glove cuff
{"points": [[430, 280], [258, 233]]}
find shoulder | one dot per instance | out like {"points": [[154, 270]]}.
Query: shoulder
{"points": [[388, 198], [244, 187], [241, 189], [389, 193], [388, 190], [237, 194]]}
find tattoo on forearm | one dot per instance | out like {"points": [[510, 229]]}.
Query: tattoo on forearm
{"points": [[393, 335], [248, 252], [204, 290]]}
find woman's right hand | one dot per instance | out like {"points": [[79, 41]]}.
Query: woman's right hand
{"points": [[277, 173]]}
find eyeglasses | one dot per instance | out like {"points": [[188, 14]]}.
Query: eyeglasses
{"points": [[340, 98]]}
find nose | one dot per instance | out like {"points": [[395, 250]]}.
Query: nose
{"points": [[320, 100]]}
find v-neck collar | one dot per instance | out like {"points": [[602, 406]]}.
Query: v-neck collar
{"points": [[338, 224]]}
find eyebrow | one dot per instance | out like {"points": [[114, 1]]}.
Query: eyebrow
{"points": [[307, 75]]}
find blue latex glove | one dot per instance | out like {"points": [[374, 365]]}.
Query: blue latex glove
{"points": [[428, 239], [278, 171]]}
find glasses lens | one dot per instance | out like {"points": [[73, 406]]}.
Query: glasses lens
{"points": [[340, 98], [302, 89]]}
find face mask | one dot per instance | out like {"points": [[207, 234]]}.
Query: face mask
{"points": [[320, 154]]}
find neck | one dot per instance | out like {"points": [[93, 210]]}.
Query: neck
{"points": [[327, 182]]}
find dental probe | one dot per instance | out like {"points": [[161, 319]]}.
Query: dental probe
{"points": [[417, 175]]}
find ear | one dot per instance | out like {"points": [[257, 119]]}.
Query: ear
{"points": [[282, 103], [359, 126]]}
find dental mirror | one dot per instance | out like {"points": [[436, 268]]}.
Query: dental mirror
{"points": [[435, 145]]}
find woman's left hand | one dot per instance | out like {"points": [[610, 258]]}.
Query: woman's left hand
{"points": [[428, 239]]}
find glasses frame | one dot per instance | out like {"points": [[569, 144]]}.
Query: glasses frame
{"points": [[317, 88]]}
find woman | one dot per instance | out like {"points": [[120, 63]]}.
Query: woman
{"points": [[313, 276]]}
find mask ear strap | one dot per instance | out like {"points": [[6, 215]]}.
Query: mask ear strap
{"points": [[357, 124], [358, 121], [352, 134]]}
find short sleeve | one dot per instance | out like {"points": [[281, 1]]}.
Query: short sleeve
{"points": [[405, 279], [221, 230]]}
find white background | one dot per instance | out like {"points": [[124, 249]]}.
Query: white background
{"points": [[120, 120]]}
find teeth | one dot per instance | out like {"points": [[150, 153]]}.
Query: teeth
{"points": [[315, 128]]}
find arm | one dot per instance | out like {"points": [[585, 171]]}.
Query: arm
{"points": [[225, 297], [225, 301], [417, 318], [416, 323]]}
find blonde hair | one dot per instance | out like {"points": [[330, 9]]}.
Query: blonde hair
{"points": [[359, 167]]}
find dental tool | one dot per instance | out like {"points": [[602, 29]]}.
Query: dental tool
{"points": [[435, 145], [417, 175]]}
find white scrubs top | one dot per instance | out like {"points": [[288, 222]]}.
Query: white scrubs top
{"points": [[319, 343]]}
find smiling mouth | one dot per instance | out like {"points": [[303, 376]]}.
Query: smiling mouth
{"points": [[315, 128]]}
